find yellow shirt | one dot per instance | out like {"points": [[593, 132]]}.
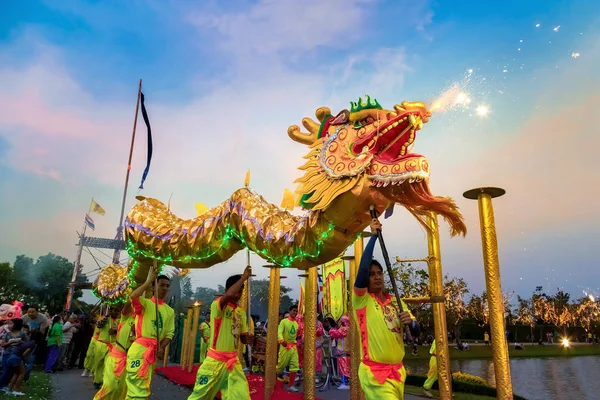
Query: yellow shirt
{"points": [[379, 327], [288, 330], [145, 319], [205, 331], [486, 337], [124, 332], [103, 334], [227, 325]]}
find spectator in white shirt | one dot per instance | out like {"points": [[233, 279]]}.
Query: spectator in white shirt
{"points": [[69, 328]]}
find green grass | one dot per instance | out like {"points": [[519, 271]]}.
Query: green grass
{"points": [[418, 391], [531, 351], [37, 388]]}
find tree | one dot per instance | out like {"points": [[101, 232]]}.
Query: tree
{"points": [[456, 311], [525, 314], [205, 296], [186, 288], [8, 284], [560, 311], [259, 296], [23, 269], [413, 282], [44, 282], [477, 309], [587, 313]]}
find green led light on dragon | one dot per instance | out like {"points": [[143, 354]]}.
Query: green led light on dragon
{"points": [[285, 261]]}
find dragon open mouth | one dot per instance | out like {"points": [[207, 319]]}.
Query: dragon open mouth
{"points": [[393, 138]]}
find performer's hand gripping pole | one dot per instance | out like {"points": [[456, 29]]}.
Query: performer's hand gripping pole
{"points": [[414, 327]]}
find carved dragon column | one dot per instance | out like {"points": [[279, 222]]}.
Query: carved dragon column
{"points": [[494, 290], [273, 324], [439, 309]]}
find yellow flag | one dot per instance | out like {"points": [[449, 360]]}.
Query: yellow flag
{"points": [[288, 200], [95, 207], [201, 209], [247, 180]]}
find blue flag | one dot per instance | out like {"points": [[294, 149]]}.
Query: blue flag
{"points": [[147, 121]]}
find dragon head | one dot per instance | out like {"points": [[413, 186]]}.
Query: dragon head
{"points": [[366, 151]]}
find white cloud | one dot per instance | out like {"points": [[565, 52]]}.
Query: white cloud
{"points": [[270, 27]]}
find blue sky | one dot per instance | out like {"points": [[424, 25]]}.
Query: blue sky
{"points": [[223, 83]]}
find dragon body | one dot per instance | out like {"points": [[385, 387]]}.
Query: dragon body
{"points": [[357, 158]]}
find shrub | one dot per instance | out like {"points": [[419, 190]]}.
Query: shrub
{"points": [[463, 383]]}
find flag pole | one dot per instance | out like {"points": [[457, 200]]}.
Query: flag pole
{"points": [[76, 265], [116, 254]]}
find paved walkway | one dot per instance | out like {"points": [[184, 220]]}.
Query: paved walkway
{"points": [[69, 385]]}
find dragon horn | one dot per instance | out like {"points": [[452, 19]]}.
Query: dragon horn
{"points": [[322, 112], [311, 125], [300, 137]]}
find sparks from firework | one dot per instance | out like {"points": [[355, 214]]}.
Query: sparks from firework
{"points": [[482, 110], [455, 96], [556, 28], [575, 55]]}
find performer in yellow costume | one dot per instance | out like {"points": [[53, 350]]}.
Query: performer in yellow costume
{"points": [[381, 329], [104, 338], [288, 351], [432, 374], [205, 336], [141, 357], [221, 370], [88, 363], [114, 386]]}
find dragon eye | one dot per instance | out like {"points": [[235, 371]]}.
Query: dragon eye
{"points": [[364, 122]]}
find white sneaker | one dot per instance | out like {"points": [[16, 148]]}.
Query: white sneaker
{"points": [[292, 389], [343, 387], [427, 393], [84, 373]]}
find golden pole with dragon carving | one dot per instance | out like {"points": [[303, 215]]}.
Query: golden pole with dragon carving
{"points": [[439, 309], [273, 324], [310, 333], [491, 264]]}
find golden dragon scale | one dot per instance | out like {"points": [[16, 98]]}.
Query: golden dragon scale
{"points": [[356, 159]]}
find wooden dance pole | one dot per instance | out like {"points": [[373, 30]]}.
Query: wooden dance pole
{"points": [[273, 324], [439, 309], [491, 265]]}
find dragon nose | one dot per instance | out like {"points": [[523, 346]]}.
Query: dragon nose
{"points": [[399, 109]]}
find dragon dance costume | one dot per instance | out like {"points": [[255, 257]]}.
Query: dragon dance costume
{"points": [[381, 372], [141, 357], [99, 347], [432, 374], [204, 338], [114, 386], [288, 350], [221, 371]]}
